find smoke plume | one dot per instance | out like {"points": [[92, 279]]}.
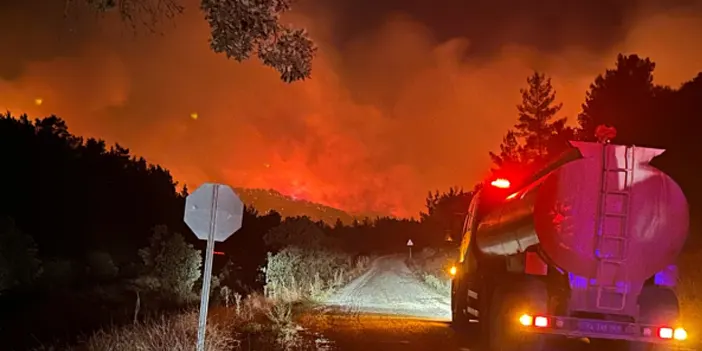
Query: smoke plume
{"points": [[404, 98]]}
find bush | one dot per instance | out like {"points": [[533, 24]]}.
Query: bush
{"points": [[176, 333], [307, 266], [101, 266], [295, 274], [173, 262], [59, 272], [431, 266], [298, 232], [19, 265], [255, 323]]}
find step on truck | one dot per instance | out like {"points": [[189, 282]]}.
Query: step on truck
{"points": [[584, 249]]}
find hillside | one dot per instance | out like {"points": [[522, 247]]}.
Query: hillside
{"points": [[266, 200]]}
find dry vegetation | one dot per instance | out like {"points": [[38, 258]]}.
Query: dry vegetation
{"points": [[298, 272], [251, 323], [432, 267]]}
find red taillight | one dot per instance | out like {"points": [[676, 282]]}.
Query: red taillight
{"points": [[541, 322], [220, 253], [665, 333]]}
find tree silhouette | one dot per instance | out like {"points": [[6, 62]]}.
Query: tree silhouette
{"points": [[538, 133], [238, 29], [73, 196], [445, 213], [299, 232], [536, 124], [19, 264], [623, 98], [510, 151]]}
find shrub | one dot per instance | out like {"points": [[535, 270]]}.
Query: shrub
{"points": [[256, 324], [59, 272], [19, 264], [173, 262], [178, 333], [101, 266], [307, 266], [431, 266], [295, 274], [298, 232]]}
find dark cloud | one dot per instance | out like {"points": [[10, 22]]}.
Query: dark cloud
{"points": [[547, 25], [35, 30]]}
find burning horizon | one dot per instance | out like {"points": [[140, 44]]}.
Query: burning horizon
{"points": [[390, 113]]}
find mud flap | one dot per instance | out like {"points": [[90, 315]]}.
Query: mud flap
{"points": [[458, 305], [657, 305], [509, 301]]}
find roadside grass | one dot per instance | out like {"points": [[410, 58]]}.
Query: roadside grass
{"points": [[295, 279], [310, 275], [251, 323], [432, 267]]}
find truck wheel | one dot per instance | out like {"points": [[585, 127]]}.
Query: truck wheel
{"points": [[508, 302], [657, 305], [459, 296], [466, 331]]}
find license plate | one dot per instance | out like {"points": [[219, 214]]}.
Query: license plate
{"points": [[601, 327]]}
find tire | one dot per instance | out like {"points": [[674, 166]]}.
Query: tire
{"points": [[657, 305], [467, 331], [459, 319], [504, 333]]}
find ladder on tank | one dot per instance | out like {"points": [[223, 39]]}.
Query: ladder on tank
{"points": [[612, 242]]}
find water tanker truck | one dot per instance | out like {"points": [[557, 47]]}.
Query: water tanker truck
{"points": [[585, 248]]}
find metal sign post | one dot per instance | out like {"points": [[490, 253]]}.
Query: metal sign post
{"points": [[213, 212], [206, 281], [409, 245]]}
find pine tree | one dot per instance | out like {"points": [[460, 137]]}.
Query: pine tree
{"points": [[537, 133], [537, 113], [510, 151], [623, 97]]}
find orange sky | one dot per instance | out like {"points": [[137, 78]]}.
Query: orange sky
{"points": [[385, 118]]}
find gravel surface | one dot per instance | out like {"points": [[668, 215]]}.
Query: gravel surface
{"points": [[390, 288], [387, 308]]}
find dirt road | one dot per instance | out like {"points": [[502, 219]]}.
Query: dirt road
{"points": [[387, 308], [390, 288]]}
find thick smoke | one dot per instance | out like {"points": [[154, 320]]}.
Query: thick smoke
{"points": [[399, 103]]}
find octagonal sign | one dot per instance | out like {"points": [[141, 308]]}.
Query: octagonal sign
{"points": [[213, 207]]}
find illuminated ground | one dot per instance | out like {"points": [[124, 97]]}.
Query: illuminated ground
{"points": [[386, 309], [390, 288]]}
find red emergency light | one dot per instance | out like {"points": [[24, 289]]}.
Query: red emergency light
{"points": [[501, 183]]}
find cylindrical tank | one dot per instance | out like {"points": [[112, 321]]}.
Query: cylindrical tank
{"points": [[638, 218]]}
